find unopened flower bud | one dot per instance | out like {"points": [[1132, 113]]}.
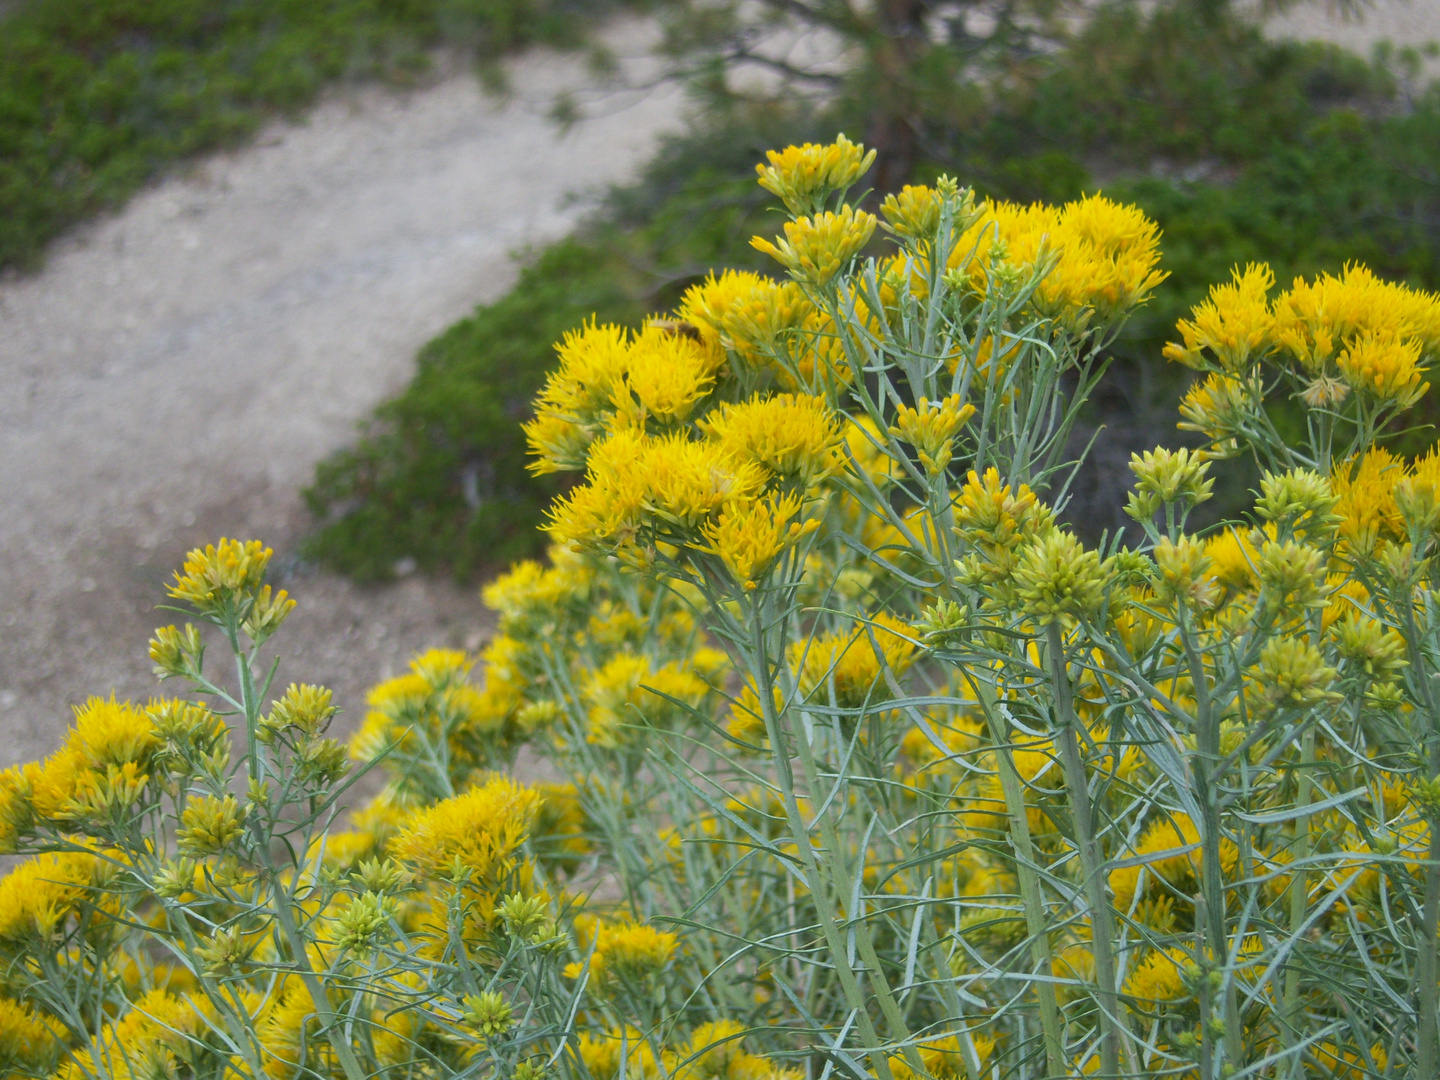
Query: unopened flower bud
{"points": [[1170, 476], [1298, 501], [1055, 575], [174, 651], [365, 922], [1184, 572], [488, 1013], [380, 875]]}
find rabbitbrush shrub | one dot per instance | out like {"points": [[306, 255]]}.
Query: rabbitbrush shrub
{"points": [[861, 766]]}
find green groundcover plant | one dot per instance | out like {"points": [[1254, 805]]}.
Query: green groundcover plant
{"points": [[861, 764], [1240, 148], [97, 95]]}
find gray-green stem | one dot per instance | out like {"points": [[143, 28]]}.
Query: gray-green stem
{"points": [[1031, 897], [1299, 893], [820, 887], [1102, 916], [1212, 878]]}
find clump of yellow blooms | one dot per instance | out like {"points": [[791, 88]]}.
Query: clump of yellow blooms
{"points": [[1104, 256], [816, 249], [1351, 343], [822, 739], [623, 953], [802, 177]]}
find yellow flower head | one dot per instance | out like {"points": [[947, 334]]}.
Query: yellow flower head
{"points": [[27, 1041], [1160, 977], [1184, 572], [914, 212], [530, 593], [1234, 324], [1366, 504], [1100, 255], [748, 313], [716, 1051], [1216, 408], [1167, 476], [931, 429], [1348, 1062], [1055, 576], [617, 1055], [144, 1043], [1369, 645], [1233, 558], [751, 534], [852, 663], [1172, 848], [482, 830], [1301, 500], [945, 1059], [624, 952], [1385, 368], [795, 436], [210, 826], [1417, 496], [39, 894], [815, 249], [107, 735], [804, 176], [606, 510], [1292, 575], [628, 688], [994, 517], [569, 410], [221, 574], [670, 483], [1315, 320], [666, 377], [685, 482], [1292, 672]]}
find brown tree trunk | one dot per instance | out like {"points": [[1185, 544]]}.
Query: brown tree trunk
{"points": [[894, 127]]}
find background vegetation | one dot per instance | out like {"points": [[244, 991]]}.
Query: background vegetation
{"points": [[1242, 148], [96, 95]]}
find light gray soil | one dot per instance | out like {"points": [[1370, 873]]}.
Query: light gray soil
{"points": [[174, 372], [1401, 22]]}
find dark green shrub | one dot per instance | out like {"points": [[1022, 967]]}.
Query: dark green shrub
{"points": [[97, 95]]}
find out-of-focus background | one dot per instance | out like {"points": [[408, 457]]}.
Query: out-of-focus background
{"points": [[242, 245]]}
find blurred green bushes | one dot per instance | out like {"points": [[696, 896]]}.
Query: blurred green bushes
{"points": [[97, 95], [1242, 148]]}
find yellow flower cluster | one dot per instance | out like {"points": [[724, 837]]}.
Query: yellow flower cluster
{"points": [[804, 176], [1339, 335], [628, 693], [480, 831], [1011, 804], [817, 248], [434, 713], [40, 895], [624, 953], [1104, 256], [714, 1051]]}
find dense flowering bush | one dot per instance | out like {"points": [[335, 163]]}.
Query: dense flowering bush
{"points": [[858, 762]]}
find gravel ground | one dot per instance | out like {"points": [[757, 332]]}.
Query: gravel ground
{"points": [[176, 370]]}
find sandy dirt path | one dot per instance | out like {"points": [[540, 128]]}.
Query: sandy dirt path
{"points": [[174, 372]]}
